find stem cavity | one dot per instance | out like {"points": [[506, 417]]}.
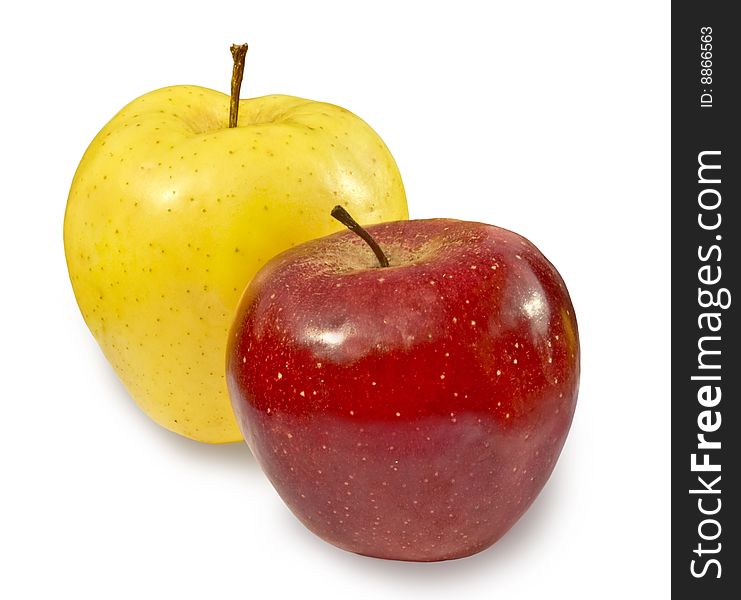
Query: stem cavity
{"points": [[344, 217]]}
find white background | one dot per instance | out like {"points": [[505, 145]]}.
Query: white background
{"points": [[548, 118]]}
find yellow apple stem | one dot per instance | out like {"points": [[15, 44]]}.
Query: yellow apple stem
{"points": [[344, 217], [239, 51]]}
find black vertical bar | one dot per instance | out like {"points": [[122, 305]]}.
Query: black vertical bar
{"points": [[706, 299]]}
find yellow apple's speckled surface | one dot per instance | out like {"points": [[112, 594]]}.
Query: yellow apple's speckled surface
{"points": [[171, 213]]}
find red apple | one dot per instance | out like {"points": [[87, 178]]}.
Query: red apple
{"points": [[413, 411]]}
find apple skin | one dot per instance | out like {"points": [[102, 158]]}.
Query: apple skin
{"points": [[412, 412], [171, 213]]}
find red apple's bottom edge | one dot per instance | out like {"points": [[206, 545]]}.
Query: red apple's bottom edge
{"points": [[422, 559], [426, 557]]}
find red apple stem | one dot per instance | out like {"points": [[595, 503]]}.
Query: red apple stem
{"points": [[344, 217], [239, 51]]}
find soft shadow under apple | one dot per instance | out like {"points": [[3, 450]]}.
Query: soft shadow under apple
{"points": [[236, 456]]}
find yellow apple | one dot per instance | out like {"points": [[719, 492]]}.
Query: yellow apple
{"points": [[171, 213]]}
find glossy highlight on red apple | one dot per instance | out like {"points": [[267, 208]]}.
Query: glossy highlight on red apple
{"points": [[414, 411]]}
